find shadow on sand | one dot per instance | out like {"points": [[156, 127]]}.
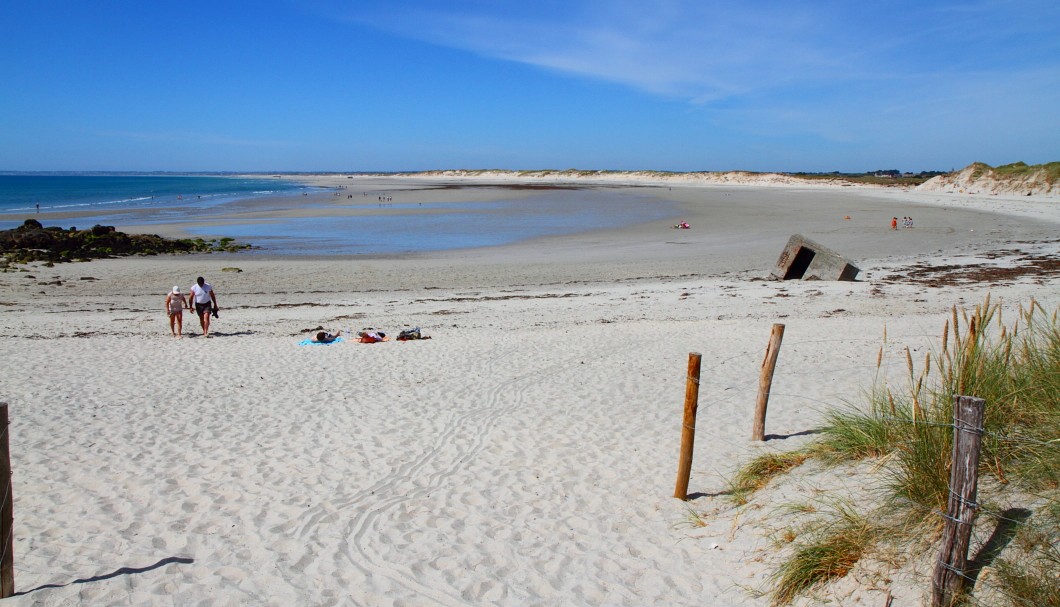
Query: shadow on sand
{"points": [[122, 571]]}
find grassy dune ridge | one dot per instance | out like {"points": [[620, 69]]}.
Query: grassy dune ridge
{"points": [[907, 432]]}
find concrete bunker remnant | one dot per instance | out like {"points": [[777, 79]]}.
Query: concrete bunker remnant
{"points": [[805, 259]]}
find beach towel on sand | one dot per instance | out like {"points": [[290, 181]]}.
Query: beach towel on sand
{"points": [[310, 342]]}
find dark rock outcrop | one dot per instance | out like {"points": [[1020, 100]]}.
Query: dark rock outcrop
{"points": [[33, 242]]}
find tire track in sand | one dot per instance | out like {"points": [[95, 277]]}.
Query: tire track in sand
{"points": [[432, 468]]}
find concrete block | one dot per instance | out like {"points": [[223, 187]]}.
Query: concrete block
{"points": [[805, 259]]}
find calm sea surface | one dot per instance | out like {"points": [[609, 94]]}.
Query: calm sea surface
{"points": [[343, 226], [64, 193]]}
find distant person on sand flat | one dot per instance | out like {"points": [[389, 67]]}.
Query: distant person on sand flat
{"points": [[205, 300], [175, 305], [894, 223]]}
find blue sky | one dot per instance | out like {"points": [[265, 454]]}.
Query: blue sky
{"points": [[335, 85]]}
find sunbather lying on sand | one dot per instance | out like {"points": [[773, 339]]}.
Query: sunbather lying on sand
{"points": [[413, 333], [370, 336], [323, 337]]}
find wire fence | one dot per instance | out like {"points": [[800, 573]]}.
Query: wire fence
{"points": [[893, 364], [890, 371], [971, 573]]}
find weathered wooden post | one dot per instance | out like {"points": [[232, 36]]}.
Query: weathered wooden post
{"points": [[765, 381], [7, 513], [952, 565], [688, 426]]}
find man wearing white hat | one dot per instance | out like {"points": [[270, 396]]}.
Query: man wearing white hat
{"points": [[175, 305]]}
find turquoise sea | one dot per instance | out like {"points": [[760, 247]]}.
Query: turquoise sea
{"points": [[341, 226], [23, 192]]}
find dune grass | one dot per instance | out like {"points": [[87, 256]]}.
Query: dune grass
{"points": [[831, 550], [1016, 369], [759, 471], [1031, 582], [1031, 578], [1017, 372], [1051, 170]]}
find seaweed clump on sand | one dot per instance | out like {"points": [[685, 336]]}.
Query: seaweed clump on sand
{"points": [[33, 242]]}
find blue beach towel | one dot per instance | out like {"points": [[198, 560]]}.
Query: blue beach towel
{"points": [[310, 342]]}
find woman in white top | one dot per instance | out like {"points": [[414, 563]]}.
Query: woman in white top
{"points": [[175, 305]]}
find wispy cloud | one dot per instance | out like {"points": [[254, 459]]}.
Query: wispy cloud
{"points": [[709, 51], [667, 48]]}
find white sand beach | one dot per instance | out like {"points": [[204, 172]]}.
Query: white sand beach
{"points": [[524, 455]]}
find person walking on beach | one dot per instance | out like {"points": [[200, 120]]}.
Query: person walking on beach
{"points": [[894, 223], [175, 305], [205, 300]]}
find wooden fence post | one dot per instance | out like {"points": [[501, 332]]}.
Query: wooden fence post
{"points": [[688, 426], [7, 515], [765, 381], [952, 565]]}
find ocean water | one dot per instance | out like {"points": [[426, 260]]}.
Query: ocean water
{"points": [[21, 193], [211, 207]]}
